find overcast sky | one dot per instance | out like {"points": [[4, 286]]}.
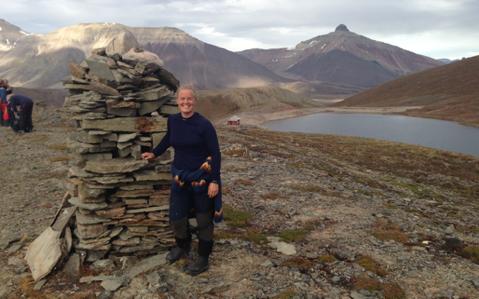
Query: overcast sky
{"points": [[436, 28]]}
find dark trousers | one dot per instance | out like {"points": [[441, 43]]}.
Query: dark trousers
{"points": [[184, 200], [27, 117], [21, 117]]}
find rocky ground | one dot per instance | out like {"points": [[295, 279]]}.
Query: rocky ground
{"points": [[307, 216]]}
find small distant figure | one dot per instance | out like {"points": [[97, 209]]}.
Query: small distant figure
{"points": [[4, 114], [20, 108]]}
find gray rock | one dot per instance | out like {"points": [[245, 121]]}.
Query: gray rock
{"points": [[127, 124], [121, 43], [87, 206], [146, 265], [99, 69], [115, 166], [39, 285], [126, 137], [151, 175], [91, 231], [281, 247], [168, 109], [89, 218], [73, 266], [156, 137], [18, 264], [156, 94], [103, 264], [112, 284]]}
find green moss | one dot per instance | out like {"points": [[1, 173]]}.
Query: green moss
{"points": [[235, 217], [251, 235], [255, 236], [370, 264], [286, 294], [471, 253], [293, 235], [326, 258]]}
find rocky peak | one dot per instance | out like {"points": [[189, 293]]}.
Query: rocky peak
{"points": [[9, 35], [341, 28]]}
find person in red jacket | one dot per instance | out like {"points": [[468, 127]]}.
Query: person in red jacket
{"points": [[4, 115]]}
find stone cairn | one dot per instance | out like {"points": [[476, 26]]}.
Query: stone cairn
{"points": [[120, 107]]}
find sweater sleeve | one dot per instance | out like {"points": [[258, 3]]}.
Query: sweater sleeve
{"points": [[164, 143], [214, 151]]}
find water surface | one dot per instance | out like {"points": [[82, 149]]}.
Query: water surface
{"points": [[428, 132]]}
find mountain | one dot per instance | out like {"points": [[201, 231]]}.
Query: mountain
{"points": [[340, 57], [446, 92], [42, 60], [9, 35]]}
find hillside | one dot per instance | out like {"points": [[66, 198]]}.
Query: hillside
{"points": [[42, 60], [218, 104], [366, 219], [338, 57], [447, 92]]}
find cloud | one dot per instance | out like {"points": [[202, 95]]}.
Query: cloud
{"points": [[239, 24]]}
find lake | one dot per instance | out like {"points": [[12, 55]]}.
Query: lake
{"points": [[428, 132]]}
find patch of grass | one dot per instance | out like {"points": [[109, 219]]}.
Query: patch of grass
{"points": [[58, 147], [250, 234], [255, 236], [235, 217], [293, 235], [300, 263], [326, 258], [390, 290], [286, 294], [59, 158], [472, 253], [372, 265], [385, 231]]}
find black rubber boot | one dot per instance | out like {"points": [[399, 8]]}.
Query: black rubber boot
{"points": [[182, 249], [200, 265]]}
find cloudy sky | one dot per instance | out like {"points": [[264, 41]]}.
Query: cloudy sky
{"points": [[436, 28]]}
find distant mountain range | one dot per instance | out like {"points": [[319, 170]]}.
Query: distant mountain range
{"points": [[42, 60], [342, 57], [446, 92], [338, 62]]}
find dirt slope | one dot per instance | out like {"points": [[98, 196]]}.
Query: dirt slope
{"points": [[446, 92]]}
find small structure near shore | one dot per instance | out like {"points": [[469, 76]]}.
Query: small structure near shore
{"points": [[233, 121], [117, 203]]}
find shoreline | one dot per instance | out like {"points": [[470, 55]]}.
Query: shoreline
{"points": [[259, 118]]}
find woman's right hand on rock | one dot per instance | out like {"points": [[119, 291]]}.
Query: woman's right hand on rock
{"points": [[148, 156]]}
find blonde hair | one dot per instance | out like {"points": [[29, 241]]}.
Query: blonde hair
{"points": [[186, 87]]}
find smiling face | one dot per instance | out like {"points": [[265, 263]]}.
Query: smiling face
{"points": [[186, 101]]}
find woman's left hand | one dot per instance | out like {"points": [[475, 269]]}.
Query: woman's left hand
{"points": [[213, 189]]}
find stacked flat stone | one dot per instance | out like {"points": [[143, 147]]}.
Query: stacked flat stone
{"points": [[122, 200]]}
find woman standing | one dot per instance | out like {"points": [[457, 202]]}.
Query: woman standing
{"points": [[196, 172]]}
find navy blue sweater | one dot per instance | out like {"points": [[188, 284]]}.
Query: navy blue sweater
{"points": [[194, 139]]}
